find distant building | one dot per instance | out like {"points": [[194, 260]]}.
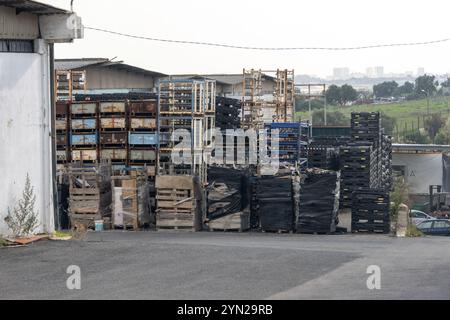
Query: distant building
{"points": [[379, 72], [341, 73], [369, 72], [104, 75]]}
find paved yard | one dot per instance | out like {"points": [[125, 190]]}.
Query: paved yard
{"points": [[171, 265]]}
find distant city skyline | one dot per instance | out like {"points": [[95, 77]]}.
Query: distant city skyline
{"points": [[344, 73]]}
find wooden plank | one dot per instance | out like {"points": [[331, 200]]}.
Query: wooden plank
{"points": [[174, 182]]}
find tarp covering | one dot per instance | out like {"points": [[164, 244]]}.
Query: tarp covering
{"points": [[319, 202]]}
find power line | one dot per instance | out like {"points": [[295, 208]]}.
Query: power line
{"points": [[229, 46]]}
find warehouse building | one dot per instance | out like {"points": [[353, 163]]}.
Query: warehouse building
{"points": [[104, 75], [421, 165], [28, 30]]}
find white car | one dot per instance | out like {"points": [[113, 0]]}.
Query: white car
{"points": [[418, 217]]}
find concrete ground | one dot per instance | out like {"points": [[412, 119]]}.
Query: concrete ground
{"points": [[207, 265]]}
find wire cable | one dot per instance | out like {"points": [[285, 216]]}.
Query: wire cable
{"points": [[230, 46]]}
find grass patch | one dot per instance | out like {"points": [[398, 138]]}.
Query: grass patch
{"points": [[61, 234], [406, 113], [413, 231], [3, 242]]}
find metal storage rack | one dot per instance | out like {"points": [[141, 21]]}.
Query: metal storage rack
{"points": [[187, 105]]}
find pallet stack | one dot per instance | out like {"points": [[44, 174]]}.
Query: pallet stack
{"points": [[113, 133], [84, 132], [90, 193], [186, 112], [227, 113], [370, 211], [178, 201], [386, 180], [274, 203], [290, 139], [62, 133], [358, 170], [319, 202], [130, 201], [143, 136]]}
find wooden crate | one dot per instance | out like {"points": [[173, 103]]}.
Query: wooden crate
{"points": [[143, 123], [84, 155], [239, 221], [113, 138], [112, 107], [90, 193], [113, 123], [177, 202], [113, 154], [131, 201]]}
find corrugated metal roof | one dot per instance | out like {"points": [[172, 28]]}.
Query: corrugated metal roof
{"points": [[31, 7], [223, 78], [71, 64], [76, 64]]}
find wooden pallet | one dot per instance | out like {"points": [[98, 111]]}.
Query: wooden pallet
{"points": [[239, 222]]}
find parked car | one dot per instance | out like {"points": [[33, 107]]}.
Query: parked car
{"points": [[418, 216], [436, 227]]}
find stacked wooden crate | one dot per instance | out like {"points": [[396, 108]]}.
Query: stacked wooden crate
{"points": [[131, 202], [62, 133], [178, 201], [113, 128], [84, 133], [90, 193], [142, 136]]}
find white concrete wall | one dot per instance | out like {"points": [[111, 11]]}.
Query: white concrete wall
{"points": [[25, 139], [422, 170]]}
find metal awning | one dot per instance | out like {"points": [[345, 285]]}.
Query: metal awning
{"points": [[32, 7]]}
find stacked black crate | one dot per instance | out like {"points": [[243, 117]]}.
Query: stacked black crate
{"points": [[275, 203], [113, 134], [319, 202], [386, 163], [227, 113], [84, 132], [62, 132], [358, 170], [366, 129], [370, 211]]}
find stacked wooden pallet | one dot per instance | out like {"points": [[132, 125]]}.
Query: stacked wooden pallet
{"points": [[90, 193], [178, 202]]}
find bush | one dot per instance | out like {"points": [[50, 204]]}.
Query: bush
{"points": [[334, 118], [22, 220], [398, 197], [413, 231]]}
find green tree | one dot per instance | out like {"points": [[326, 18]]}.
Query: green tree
{"points": [[334, 118], [443, 136], [302, 104], [348, 94], [385, 89], [446, 83], [406, 89], [426, 85], [333, 94], [433, 124]]}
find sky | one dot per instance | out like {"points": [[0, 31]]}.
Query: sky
{"points": [[265, 23]]}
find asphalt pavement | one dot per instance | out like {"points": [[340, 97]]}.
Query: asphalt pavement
{"points": [[208, 265]]}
